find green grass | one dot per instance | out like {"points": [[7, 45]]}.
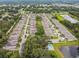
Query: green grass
{"points": [[56, 53], [66, 43], [40, 30], [54, 37], [60, 18], [53, 53]]}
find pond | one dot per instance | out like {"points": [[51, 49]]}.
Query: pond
{"points": [[69, 51]]}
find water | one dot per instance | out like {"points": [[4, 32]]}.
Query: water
{"points": [[69, 51], [50, 47]]}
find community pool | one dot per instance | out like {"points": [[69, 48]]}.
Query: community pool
{"points": [[50, 47]]}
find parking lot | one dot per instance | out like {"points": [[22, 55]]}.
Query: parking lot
{"points": [[14, 36], [32, 24], [51, 30], [62, 29]]}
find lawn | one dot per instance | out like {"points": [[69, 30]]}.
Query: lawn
{"points": [[56, 53], [40, 30], [66, 43], [54, 37], [60, 18]]}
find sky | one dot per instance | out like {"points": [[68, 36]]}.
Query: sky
{"points": [[38, 0], [31, 1]]}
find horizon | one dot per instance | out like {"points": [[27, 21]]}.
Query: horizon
{"points": [[37, 1]]}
